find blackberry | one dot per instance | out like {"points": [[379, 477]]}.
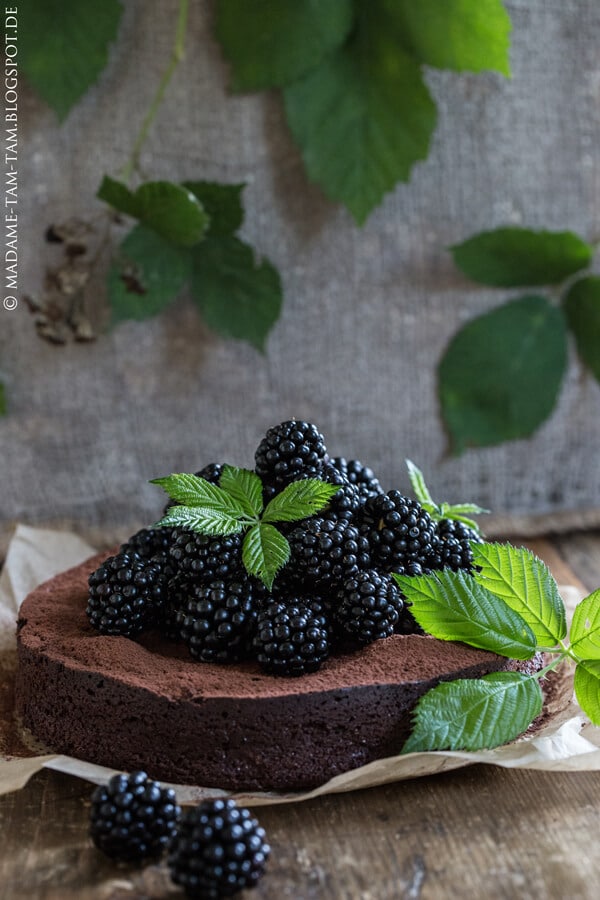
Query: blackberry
{"points": [[211, 472], [219, 849], [398, 529], [369, 607], [150, 542], [346, 500], [217, 619], [291, 639], [133, 818], [126, 594], [407, 623], [323, 551], [290, 451], [452, 549], [361, 476], [200, 558]]}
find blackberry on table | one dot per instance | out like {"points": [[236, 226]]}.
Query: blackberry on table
{"points": [[361, 476], [290, 451], [126, 594], [217, 619], [149, 543], [452, 549], [291, 639], [323, 551], [133, 817], [218, 850], [369, 606], [346, 500], [398, 530]]}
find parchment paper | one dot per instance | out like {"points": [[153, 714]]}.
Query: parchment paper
{"points": [[565, 741]]}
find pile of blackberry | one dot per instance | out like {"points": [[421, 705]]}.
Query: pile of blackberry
{"points": [[335, 593]]}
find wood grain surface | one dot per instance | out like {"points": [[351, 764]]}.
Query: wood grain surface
{"points": [[480, 832]]}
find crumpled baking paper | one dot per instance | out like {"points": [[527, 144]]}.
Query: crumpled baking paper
{"points": [[565, 743]]}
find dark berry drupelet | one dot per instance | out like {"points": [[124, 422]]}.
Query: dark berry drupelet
{"points": [[399, 531], [291, 639], [200, 558], [361, 476], [133, 818], [219, 849], [150, 543], [452, 548], [217, 620], [126, 594], [323, 551], [369, 607], [290, 451]]}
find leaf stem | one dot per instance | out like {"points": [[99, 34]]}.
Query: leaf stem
{"points": [[177, 56], [550, 667]]}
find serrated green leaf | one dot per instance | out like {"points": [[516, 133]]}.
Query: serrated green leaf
{"points": [[582, 310], [245, 486], [270, 43], [204, 520], [520, 257], [464, 35], [500, 375], [475, 714], [417, 480], [362, 119], [172, 211], [146, 274], [587, 688], [585, 628], [299, 500], [193, 491], [66, 46], [458, 509], [525, 583], [264, 551], [237, 296], [452, 606], [2, 400], [222, 203], [118, 195]]}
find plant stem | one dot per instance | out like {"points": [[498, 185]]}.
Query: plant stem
{"points": [[177, 55], [555, 662]]}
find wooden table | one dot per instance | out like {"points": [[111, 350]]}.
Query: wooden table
{"points": [[480, 832]]}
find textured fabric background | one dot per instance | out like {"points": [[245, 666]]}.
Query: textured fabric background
{"points": [[367, 311]]}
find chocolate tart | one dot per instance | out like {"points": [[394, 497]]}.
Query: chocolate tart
{"points": [[146, 704]]}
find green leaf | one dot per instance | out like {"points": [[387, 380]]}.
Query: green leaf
{"points": [[299, 500], [417, 480], [238, 296], [500, 375], [587, 688], [519, 257], [118, 195], [271, 42], [146, 275], [582, 309], [171, 210], [452, 606], [585, 628], [475, 714], [361, 120], [223, 204], [193, 491], [205, 521], [245, 486], [470, 35], [264, 552], [66, 46], [525, 583]]}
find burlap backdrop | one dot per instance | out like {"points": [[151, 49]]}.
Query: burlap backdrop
{"points": [[367, 311]]}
